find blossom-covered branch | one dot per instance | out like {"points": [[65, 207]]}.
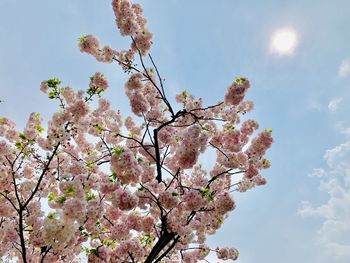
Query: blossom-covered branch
{"points": [[121, 189]]}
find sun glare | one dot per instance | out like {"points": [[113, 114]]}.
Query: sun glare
{"points": [[284, 42]]}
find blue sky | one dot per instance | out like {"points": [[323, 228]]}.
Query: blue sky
{"points": [[303, 214]]}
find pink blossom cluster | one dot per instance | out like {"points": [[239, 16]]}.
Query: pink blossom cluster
{"points": [[168, 199], [168, 136], [247, 129], [236, 91], [256, 153], [7, 130], [69, 95], [130, 21], [246, 183], [195, 255], [224, 203], [193, 142], [133, 246], [156, 105], [124, 199], [260, 144], [134, 90], [98, 83], [44, 87], [126, 167], [91, 45], [227, 253], [92, 203], [126, 190], [143, 97], [188, 101], [8, 236], [57, 232]]}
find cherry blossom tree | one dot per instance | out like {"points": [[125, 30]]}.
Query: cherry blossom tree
{"points": [[126, 190]]}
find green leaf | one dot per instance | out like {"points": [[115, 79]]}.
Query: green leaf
{"points": [[229, 127], [146, 239], [83, 231], [118, 151], [52, 215], [204, 191], [51, 196], [61, 199], [18, 145], [52, 95], [70, 191], [109, 243], [266, 161], [240, 80], [269, 130], [90, 164], [99, 128], [90, 196], [94, 236], [220, 220], [207, 194], [22, 136], [114, 177], [82, 39], [39, 128], [94, 251], [53, 83], [87, 250]]}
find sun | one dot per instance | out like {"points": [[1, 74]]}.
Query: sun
{"points": [[284, 42]]}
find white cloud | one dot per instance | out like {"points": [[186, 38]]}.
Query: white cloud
{"points": [[344, 69], [342, 127], [346, 131], [314, 104], [307, 209], [338, 157], [318, 172], [333, 236], [333, 105], [337, 251]]}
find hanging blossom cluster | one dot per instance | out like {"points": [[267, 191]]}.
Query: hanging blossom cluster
{"points": [[130, 22], [119, 191]]}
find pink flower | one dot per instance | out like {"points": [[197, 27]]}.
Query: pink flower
{"points": [[224, 203], [89, 44], [236, 91], [98, 83], [44, 86], [130, 22], [108, 54], [124, 200], [227, 253]]}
